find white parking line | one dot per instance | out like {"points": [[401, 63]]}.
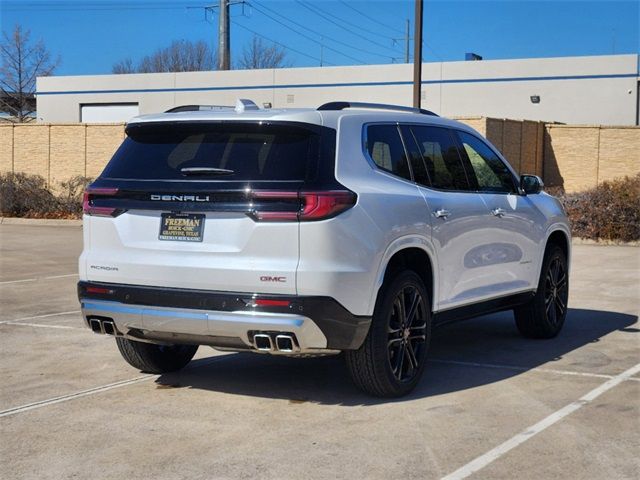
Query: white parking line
{"points": [[38, 278], [104, 388], [65, 398], [521, 369], [40, 325], [35, 317], [492, 455]]}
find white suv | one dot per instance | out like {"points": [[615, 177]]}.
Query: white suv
{"points": [[353, 227]]}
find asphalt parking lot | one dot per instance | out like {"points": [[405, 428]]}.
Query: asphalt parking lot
{"points": [[491, 405]]}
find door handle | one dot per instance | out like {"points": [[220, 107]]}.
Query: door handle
{"points": [[441, 213], [499, 212]]}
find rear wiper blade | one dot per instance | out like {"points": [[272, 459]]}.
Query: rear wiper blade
{"points": [[205, 171]]}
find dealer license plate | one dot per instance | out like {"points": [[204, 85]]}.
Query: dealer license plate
{"points": [[182, 227]]}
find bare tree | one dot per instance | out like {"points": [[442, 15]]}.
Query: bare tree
{"points": [[262, 55], [22, 62], [180, 56], [124, 66]]}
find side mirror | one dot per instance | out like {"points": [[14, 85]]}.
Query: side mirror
{"points": [[531, 184]]}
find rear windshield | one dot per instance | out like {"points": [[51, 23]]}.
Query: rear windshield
{"points": [[217, 151]]}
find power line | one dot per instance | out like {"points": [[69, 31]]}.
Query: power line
{"points": [[64, 6], [324, 14], [278, 43], [308, 37], [321, 35], [370, 18]]}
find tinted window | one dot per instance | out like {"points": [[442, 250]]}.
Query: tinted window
{"points": [[418, 166], [385, 148], [489, 172], [441, 158], [251, 151]]}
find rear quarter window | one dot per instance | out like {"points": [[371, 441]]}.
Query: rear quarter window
{"points": [[385, 148]]}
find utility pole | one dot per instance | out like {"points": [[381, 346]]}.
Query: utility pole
{"points": [[406, 42], [224, 47], [417, 55], [224, 32]]}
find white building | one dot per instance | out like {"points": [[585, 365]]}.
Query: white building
{"points": [[577, 90]]}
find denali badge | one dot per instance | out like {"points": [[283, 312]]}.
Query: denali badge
{"points": [[180, 198], [268, 278]]}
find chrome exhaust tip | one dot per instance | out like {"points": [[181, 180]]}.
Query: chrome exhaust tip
{"points": [[109, 327], [285, 343], [96, 325], [263, 342]]}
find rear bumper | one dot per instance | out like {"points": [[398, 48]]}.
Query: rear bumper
{"points": [[221, 319]]}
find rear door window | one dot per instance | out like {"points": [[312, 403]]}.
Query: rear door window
{"points": [[441, 157], [385, 148], [238, 151]]}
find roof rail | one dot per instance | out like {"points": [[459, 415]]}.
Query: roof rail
{"points": [[196, 108], [374, 106]]}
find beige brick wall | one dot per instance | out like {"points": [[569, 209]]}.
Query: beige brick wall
{"points": [[571, 157], [6, 148], [531, 148], [67, 152], [31, 149], [575, 157], [102, 142], [520, 141], [58, 152], [619, 152]]}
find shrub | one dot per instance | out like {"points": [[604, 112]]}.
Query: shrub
{"points": [[610, 211], [23, 195]]}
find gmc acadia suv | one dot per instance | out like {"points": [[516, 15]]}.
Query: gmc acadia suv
{"points": [[352, 228]]}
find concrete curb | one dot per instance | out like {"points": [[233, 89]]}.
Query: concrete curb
{"points": [[40, 222], [603, 243]]}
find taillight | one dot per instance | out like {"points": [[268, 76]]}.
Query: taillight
{"points": [[305, 206], [87, 202], [326, 204]]}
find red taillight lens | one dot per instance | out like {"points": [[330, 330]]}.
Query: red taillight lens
{"points": [[316, 205], [325, 204], [100, 290], [271, 303], [89, 209]]}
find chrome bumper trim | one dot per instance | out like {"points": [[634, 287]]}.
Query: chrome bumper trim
{"points": [[235, 324]]}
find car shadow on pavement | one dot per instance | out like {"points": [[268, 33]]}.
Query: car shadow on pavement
{"points": [[492, 339]]}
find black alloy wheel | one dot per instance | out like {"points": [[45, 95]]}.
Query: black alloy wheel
{"points": [[392, 358], [407, 333]]}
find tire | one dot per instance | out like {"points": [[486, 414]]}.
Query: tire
{"points": [[544, 315], [392, 358], [151, 358]]}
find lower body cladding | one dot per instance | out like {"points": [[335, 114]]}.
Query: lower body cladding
{"points": [[304, 325]]}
